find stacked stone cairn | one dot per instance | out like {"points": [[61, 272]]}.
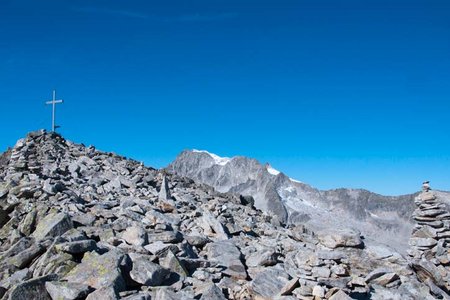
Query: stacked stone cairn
{"points": [[430, 243], [77, 223]]}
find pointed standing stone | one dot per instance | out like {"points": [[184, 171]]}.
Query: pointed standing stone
{"points": [[164, 192]]}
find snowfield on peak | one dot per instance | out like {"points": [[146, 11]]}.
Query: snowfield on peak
{"points": [[272, 171], [221, 161]]}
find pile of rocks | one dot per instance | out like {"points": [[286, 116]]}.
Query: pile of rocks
{"points": [[430, 243], [77, 223]]}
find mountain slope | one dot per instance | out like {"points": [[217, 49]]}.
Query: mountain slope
{"points": [[380, 218], [78, 223]]}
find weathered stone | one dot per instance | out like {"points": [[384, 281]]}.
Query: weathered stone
{"points": [[172, 263], [138, 296], [269, 283], [376, 274], [426, 270], [289, 287], [340, 295], [165, 294], [227, 255], [99, 271], [159, 247], [25, 257], [84, 219], [77, 247], [164, 193], [385, 279], [267, 257], [28, 224], [32, 289], [166, 237], [106, 293], [196, 240], [52, 225], [59, 290], [323, 272], [212, 292], [330, 255], [423, 242], [340, 238], [339, 270], [213, 227], [146, 272], [318, 291], [135, 236]]}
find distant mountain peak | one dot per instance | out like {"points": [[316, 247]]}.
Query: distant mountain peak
{"points": [[296, 202]]}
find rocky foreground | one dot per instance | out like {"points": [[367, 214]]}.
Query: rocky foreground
{"points": [[77, 223]]}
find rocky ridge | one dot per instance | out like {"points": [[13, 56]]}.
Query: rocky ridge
{"points": [[381, 219], [77, 223]]}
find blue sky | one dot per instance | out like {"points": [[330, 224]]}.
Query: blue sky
{"points": [[333, 93]]}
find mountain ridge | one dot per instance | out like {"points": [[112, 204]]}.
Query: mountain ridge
{"points": [[294, 201]]}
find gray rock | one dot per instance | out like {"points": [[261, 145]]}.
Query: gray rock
{"points": [[77, 247], [427, 270], [99, 271], [164, 192], [340, 295], [32, 289], [376, 274], [106, 293], [196, 240], [135, 236], [165, 294], [385, 279], [212, 292], [165, 237], [171, 262], [318, 291], [213, 227], [67, 290], [28, 224], [423, 242], [269, 283], [52, 225], [25, 257], [146, 272], [226, 254], [138, 296], [340, 238], [266, 257]]}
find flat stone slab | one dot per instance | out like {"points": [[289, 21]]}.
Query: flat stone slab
{"points": [[98, 271], [52, 225]]}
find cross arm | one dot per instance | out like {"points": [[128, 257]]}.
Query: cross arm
{"points": [[56, 102]]}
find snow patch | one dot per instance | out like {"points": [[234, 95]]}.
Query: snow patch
{"points": [[222, 161], [272, 171], [293, 180], [373, 215]]}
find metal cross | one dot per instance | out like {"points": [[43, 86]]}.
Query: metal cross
{"points": [[53, 103]]}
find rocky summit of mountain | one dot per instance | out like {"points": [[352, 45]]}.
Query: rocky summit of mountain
{"points": [[78, 223], [381, 219]]}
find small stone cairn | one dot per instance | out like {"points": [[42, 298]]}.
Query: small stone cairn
{"points": [[430, 242]]}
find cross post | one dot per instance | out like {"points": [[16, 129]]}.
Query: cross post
{"points": [[53, 102]]}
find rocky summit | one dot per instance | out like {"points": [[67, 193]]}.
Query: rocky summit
{"points": [[78, 223]]}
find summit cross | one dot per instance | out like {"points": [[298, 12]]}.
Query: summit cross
{"points": [[53, 102]]}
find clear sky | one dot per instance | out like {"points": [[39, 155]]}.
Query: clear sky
{"points": [[333, 93]]}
